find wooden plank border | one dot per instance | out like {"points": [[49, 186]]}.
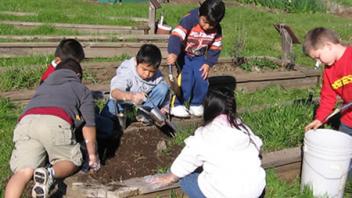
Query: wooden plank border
{"points": [[84, 28]]}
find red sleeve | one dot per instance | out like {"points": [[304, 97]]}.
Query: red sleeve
{"points": [[47, 73], [327, 99]]}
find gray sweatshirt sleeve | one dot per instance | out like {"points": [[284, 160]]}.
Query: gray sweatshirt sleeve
{"points": [[124, 75], [87, 107]]}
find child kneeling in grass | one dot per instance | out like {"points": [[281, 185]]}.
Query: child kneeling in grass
{"points": [[46, 129], [225, 148]]}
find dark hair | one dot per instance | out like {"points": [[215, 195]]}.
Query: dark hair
{"points": [[72, 65], [69, 48], [213, 10], [149, 54], [221, 102], [317, 38]]}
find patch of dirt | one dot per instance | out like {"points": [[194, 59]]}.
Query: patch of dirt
{"points": [[137, 156]]}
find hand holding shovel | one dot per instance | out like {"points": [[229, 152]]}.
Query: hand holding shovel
{"points": [[174, 86]]}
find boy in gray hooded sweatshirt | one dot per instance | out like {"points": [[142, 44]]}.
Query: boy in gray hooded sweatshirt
{"points": [[138, 81], [46, 129]]}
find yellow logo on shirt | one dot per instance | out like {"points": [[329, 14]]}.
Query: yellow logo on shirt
{"points": [[342, 81]]}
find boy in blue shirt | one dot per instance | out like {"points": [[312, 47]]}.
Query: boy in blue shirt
{"points": [[199, 35]]}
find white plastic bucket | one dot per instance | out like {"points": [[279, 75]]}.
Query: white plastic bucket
{"points": [[326, 158]]}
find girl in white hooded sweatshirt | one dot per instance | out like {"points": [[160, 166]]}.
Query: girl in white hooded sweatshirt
{"points": [[226, 150]]}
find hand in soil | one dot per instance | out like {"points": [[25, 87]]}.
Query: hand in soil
{"points": [[160, 180]]}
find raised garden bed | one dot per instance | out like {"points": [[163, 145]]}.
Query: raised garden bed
{"points": [[84, 28], [91, 49], [85, 38], [248, 81]]}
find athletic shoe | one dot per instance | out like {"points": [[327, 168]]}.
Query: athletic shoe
{"points": [[179, 111], [196, 110], [43, 182]]}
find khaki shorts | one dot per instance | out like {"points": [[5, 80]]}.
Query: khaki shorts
{"points": [[37, 137]]}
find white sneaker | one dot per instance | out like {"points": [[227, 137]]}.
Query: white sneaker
{"points": [[43, 182], [196, 110], [179, 111]]}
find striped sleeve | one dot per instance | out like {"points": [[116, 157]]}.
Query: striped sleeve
{"points": [[179, 34]]}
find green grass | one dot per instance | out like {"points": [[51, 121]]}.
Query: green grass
{"points": [[281, 126], [8, 116], [273, 95], [291, 5], [277, 188], [253, 27], [26, 60], [46, 29], [74, 11], [19, 77]]}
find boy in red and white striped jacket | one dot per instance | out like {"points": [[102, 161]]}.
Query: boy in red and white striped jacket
{"points": [[199, 36]]}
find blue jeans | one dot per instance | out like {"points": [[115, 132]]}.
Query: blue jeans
{"points": [[194, 87], [345, 129], [189, 184], [156, 99]]}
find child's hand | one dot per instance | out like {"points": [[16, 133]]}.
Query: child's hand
{"points": [[94, 162], [171, 59], [162, 180], [138, 98], [205, 71], [313, 125]]}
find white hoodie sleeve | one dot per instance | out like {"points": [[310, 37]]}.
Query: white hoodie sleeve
{"points": [[189, 158]]}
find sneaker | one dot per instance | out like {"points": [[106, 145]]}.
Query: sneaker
{"points": [[196, 110], [42, 183], [179, 111]]}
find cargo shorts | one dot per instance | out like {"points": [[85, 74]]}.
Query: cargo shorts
{"points": [[40, 137]]}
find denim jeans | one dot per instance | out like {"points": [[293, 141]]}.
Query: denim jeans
{"points": [[345, 129], [194, 87], [189, 184], [156, 98]]}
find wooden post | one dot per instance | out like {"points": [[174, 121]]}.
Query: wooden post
{"points": [[288, 38], [153, 5]]}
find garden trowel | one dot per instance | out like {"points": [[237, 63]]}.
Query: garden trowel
{"points": [[158, 118]]}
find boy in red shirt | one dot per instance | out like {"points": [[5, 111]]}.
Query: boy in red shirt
{"points": [[67, 48], [324, 46]]}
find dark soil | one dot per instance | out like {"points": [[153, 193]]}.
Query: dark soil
{"points": [[137, 155]]}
